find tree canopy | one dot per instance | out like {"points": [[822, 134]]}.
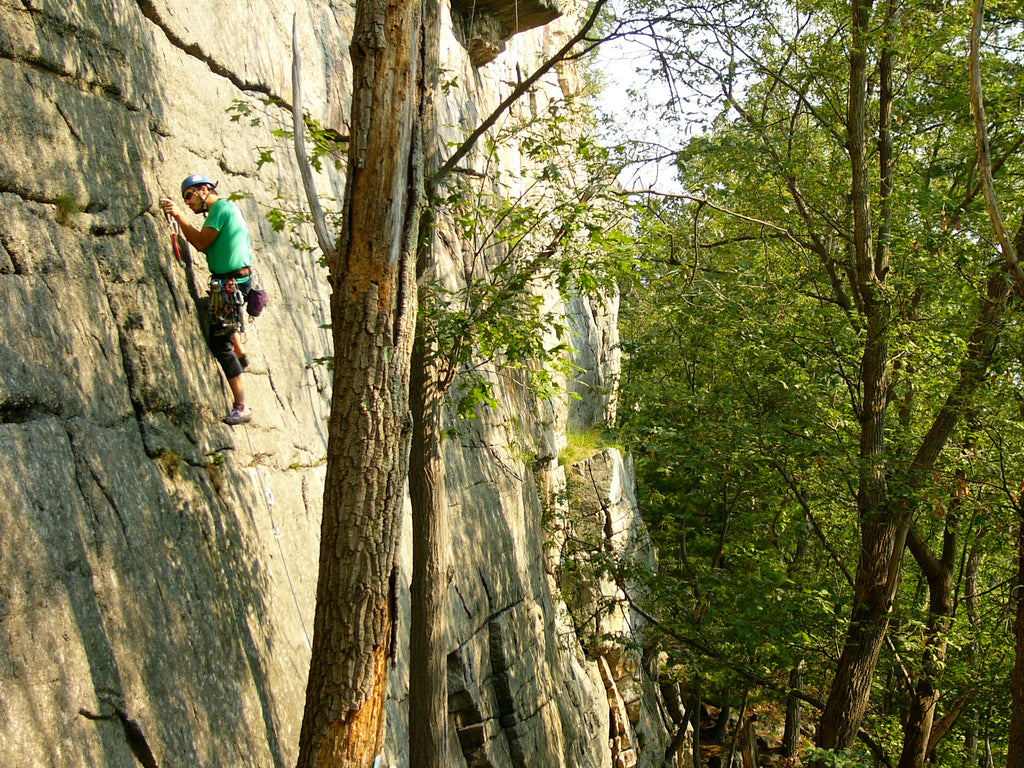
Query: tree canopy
{"points": [[822, 383]]}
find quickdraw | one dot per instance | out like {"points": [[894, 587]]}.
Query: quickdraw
{"points": [[226, 302], [175, 237]]}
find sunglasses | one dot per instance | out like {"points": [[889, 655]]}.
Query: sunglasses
{"points": [[188, 195]]}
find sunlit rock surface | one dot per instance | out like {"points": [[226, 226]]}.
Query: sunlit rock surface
{"points": [[162, 565]]}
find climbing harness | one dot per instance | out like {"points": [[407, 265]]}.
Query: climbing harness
{"points": [[226, 302]]}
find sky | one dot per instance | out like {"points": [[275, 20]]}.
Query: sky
{"points": [[619, 60]]}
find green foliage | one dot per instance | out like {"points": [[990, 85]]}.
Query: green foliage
{"points": [[326, 144], [446, 82], [744, 342], [68, 209], [287, 215], [584, 445], [829, 758], [327, 361], [548, 224]]}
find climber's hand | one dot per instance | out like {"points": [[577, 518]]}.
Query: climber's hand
{"points": [[170, 208]]}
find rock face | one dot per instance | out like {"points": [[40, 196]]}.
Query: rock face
{"points": [[157, 568], [484, 27]]}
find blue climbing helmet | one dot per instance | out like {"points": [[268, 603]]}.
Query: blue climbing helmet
{"points": [[195, 180]]}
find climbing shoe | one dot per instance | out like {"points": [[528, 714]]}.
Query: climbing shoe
{"points": [[238, 416]]}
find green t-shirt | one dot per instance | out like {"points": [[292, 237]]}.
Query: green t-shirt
{"points": [[232, 249]]}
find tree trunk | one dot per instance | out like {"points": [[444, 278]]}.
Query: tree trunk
{"points": [[884, 518], [791, 734], [938, 572], [373, 319], [748, 743], [428, 684], [1015, 751], [918, 727], [925, 697], [718, 732], [428, 674], [848, 698], [881, 530], [366, 469]]}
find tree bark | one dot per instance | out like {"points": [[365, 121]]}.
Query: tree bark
{"points": [[428, 684], [848, 698], [373, 310], [1015, 748], [883, 533], [938, 571], [718, 732], [881, 540], [791, 733], [428, 635]]}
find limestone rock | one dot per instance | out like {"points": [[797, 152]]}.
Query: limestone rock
{"points": [[485, 26], [602, 513], [158, 563]]}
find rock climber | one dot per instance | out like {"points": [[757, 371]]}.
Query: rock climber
{"points": [[224, 239]]}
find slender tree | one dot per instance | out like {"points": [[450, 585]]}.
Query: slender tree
{"points": [[938, 570], [1015, 750], [444, 347]]}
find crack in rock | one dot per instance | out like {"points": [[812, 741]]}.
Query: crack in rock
{"points": [[149, 10]]}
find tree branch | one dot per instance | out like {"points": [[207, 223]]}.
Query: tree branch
{"points": [[323, 235], [1006, 243], [704, 201], [517, 93]]}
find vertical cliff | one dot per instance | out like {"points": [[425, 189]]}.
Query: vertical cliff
{"points": [[158, 568]]}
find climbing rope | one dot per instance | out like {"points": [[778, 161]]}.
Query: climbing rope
{"points": [[268, 498]]}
